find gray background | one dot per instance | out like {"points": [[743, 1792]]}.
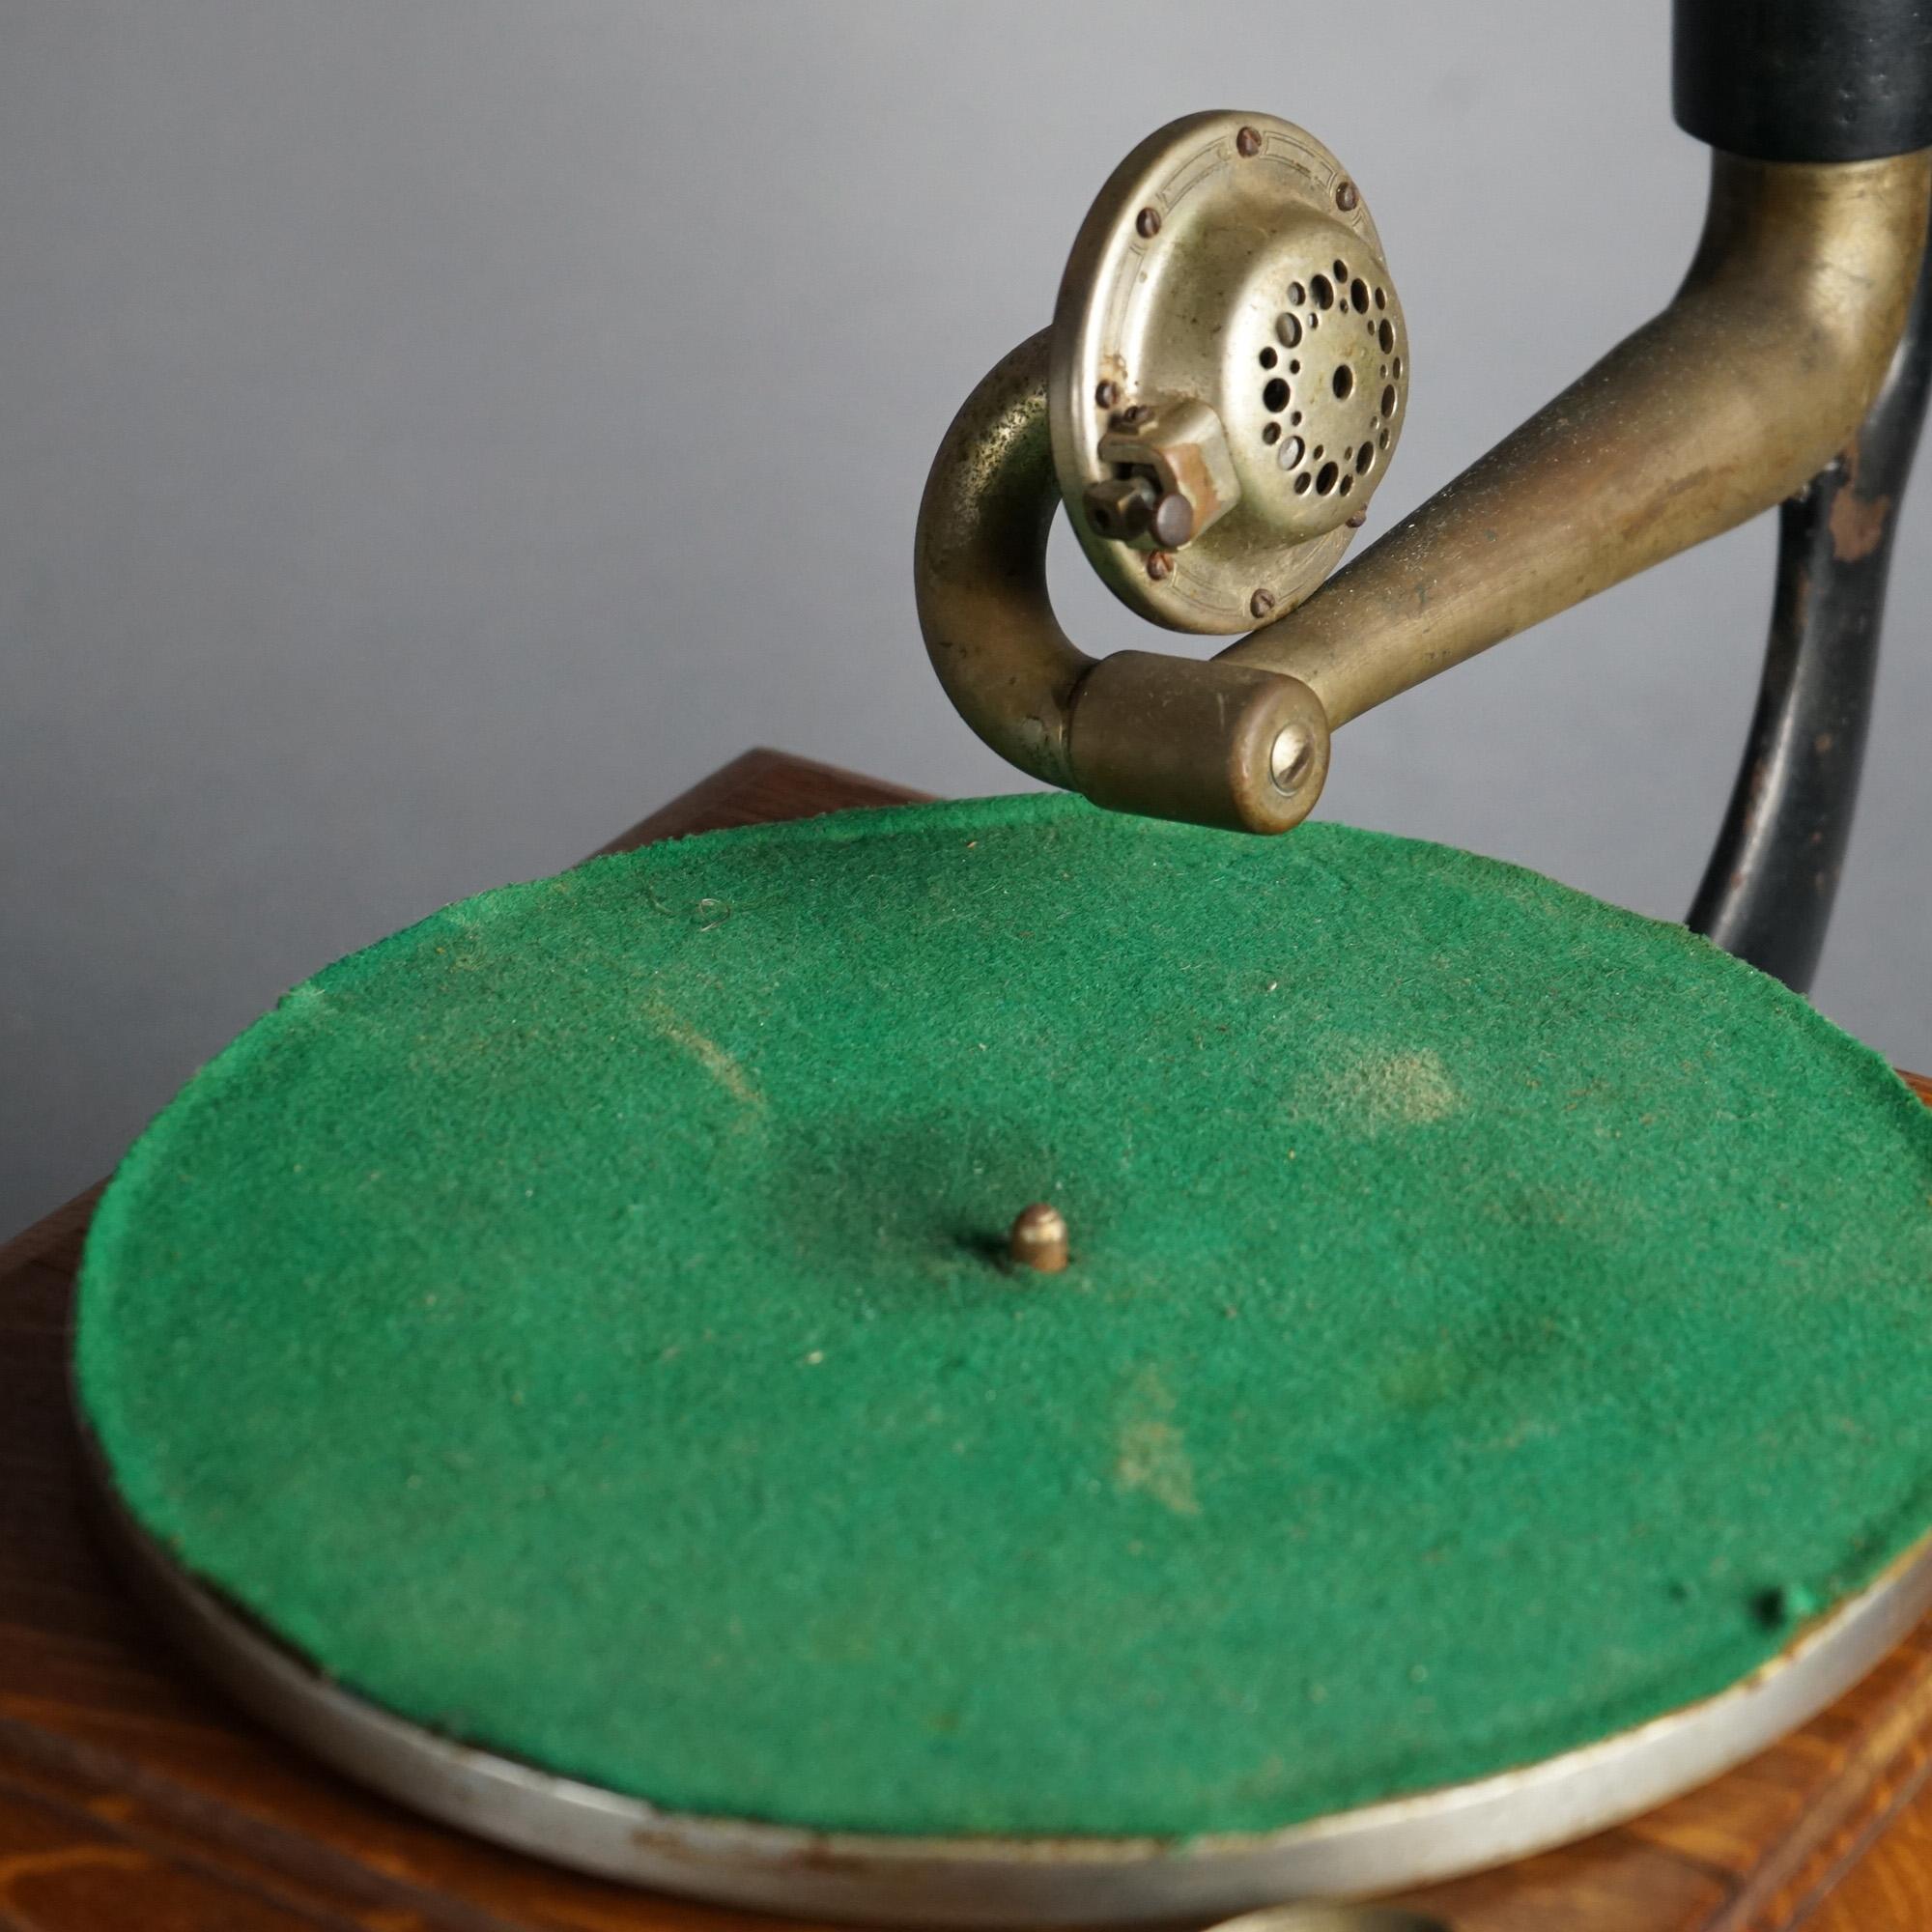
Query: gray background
{"points": [[432, 432]]}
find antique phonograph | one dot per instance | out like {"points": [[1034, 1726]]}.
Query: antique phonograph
{"points": [[1007, 1363]]}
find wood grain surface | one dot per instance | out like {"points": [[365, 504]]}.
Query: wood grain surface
{"points": [[133, 1797]]}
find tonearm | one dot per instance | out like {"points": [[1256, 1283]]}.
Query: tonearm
{"points": [[1225, 379]]}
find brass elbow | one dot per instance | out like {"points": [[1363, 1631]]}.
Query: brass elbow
{"points": [[1221, 744], [980, 570]]}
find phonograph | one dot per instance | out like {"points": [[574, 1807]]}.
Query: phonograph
{"points": [[1074, 1359]]}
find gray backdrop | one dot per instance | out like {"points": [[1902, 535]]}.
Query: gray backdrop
{"points": [[432, 432]]}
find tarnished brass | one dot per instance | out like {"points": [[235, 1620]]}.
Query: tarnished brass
{"points": [[1215, 744], [1168, 736], [1746, 385], [1039, 1239], [1175, 448], [1123, 508], [980, 570], [1228, 328]]}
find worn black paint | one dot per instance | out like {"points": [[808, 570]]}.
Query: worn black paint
{"points": [[1774, 873], [1804, 80]]}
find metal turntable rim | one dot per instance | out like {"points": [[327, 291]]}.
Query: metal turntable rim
{"points": [[1010, 1881]]}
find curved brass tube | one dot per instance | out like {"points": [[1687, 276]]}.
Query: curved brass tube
{"points": [[980, 570], [1748, 384], [1221, 744]]}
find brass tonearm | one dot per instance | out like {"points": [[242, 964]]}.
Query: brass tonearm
{"points": [[1221, 388]]}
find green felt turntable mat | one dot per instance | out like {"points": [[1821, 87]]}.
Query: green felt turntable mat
{"points": [[578, 1324]]}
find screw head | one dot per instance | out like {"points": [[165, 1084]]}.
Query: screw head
{"points": [[1159, 566], [1248, 143], [1148, 223], [1106, 395], [1288, 758], [1261, 604], [1038, 1238], [1345, 197]]}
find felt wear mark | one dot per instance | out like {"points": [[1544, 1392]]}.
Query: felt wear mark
{"points": [[716, 1061], [1153, 1451]]}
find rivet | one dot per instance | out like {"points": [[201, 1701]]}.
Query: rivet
{"points": [[1107, 395], [1248, 143], [1345, 197], [1261, 604], [1160, 566], [1147, 222], [1038, 1238], [1360, 518]]}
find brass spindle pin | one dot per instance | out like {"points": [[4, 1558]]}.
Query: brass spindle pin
{"points": [[1039, 1239]]}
